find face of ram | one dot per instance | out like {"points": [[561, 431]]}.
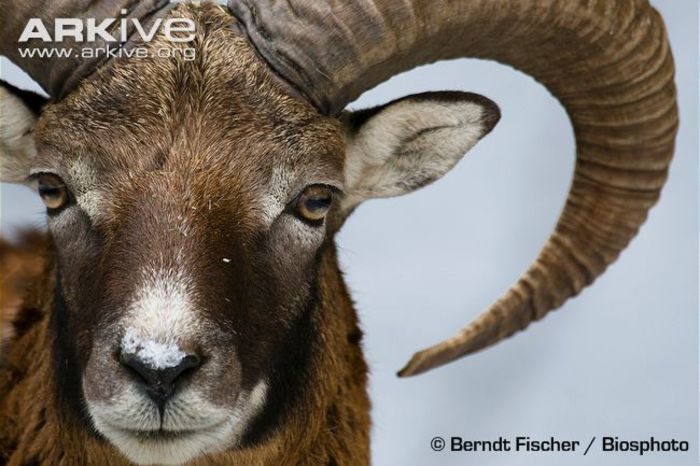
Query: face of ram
{"points": [[190, 203]]}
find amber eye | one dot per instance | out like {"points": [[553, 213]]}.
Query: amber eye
{"points": [[314, 203], [53, 191]]}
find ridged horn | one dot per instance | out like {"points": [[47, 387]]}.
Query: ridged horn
{"points": [[607, 61], [61, 65]]}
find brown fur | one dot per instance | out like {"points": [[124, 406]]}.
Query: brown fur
{"points": [[146, 162], [20, 265], [330, 425]]}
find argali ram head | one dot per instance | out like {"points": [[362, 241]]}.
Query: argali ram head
{"points": [[192, 204]]}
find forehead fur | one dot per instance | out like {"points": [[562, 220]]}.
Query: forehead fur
{"points": [[219, 119]]}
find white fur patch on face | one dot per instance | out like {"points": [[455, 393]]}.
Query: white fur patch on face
{"points": [[162, 312], [17, 148], [249, 407], [90, 202], [273, 204], [84, 181], [195, 427], [409, 144], [150, 352]]}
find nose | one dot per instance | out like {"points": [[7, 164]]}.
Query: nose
{"points": [[158, 382]]}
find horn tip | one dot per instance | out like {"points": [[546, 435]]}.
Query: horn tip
{"points": [[419, 363]]}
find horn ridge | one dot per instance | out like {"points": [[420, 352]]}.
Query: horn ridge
{"points": [[607, 61]]}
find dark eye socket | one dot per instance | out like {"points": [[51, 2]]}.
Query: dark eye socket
{"points": [[53, 191], [314, 203]]}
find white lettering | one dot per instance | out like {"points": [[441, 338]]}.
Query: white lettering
{"points": [[94, 30], [35, 29], [68, 27], [147, 36], [187, 25], [89, 30]]}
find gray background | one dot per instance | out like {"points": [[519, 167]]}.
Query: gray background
{"points": [[620, 360]]}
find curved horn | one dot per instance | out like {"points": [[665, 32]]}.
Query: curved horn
{"points": [[607, 61], [60, 66]]}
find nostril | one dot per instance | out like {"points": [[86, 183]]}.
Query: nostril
{"points": [[159, 382], [189, 363], [138, 368]]}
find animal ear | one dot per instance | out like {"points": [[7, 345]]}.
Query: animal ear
{"points": [[19, 111], [411, 142]]}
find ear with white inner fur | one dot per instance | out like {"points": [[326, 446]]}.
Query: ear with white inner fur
{"points": [[408, 143], [19, 111]]}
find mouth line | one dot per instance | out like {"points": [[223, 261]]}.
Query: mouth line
{"points": [[162, 435]]}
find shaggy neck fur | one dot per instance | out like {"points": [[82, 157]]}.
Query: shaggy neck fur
{"points": [[327, 424]]}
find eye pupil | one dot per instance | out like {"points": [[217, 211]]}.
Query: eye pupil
{"points": [[313, 204], [45, 191]]}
